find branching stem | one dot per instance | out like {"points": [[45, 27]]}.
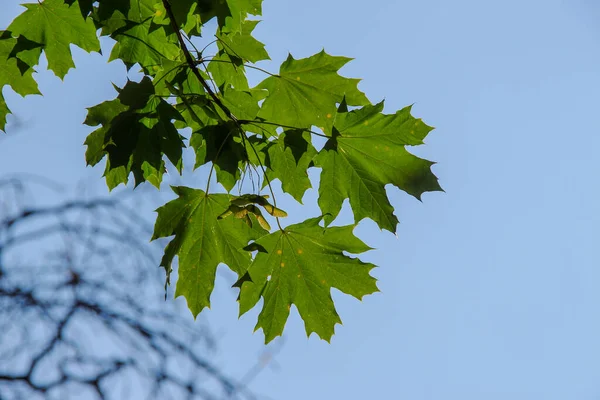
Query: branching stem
{"points": [[212, 59], [192, 64], [256, 123]]}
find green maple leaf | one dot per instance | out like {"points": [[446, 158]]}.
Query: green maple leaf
{"points": [[56, 25], [365, 153], [194, 104], [136, 132], [256, 150], [241, 103], [230, 13], [300, 266], [202, 242], [228, 69], [171, 74], [86, 6], [112, 15], [14, 72], [139, 40], [185, 13], [139, 43], [306, 91], [239, 10], [101, 114], [221, 145], [242, 44], [25, 51], [197, 112], [289, 159]]}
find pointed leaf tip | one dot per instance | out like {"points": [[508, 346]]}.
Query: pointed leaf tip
{"points": [[300, 266]]}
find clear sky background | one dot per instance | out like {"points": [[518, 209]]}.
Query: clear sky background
{"points": [[490, 290]]}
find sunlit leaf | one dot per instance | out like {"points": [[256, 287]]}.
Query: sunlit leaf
{"points": [[365, 153], [306, 91], [201, 242], [56, 25], [17, 76], [299, 266]]}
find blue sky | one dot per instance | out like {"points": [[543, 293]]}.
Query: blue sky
{"points": [[490, 289]]}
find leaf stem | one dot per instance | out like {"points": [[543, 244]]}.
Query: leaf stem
{"points": [[168, 72], [212, 164], [262, 167], [255, 123], [212, 59], [192, 64], [206, 47]]}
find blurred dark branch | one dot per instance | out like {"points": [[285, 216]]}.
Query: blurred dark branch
{"points": [[85, 316], [27, 214]]}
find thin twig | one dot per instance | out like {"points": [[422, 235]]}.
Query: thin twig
{"points": [[217, 101], [255, 123], [212, 59], [191, 63]]}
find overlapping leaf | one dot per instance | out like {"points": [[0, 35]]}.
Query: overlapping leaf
{"points": [[306, 91], [15, 73], [86, 6], [137, 130], [228, 70], [139, 43], [192, 101], [221, 145], [56, 25], [365, 153], [300, 266], [202, 242], [112, 15], [289, 159], [241, 103], [230, 14], [139, 40], [242, 44], [246, 134], [186, 16]]}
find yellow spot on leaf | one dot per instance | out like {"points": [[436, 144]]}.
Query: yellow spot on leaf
{"points": [[323, 281], [366, 122], [297, 78], [289, 307], [328, 115], [158, 13], [300, 251], [299, 275], [282, 265], [412, 132], [279, 252]]}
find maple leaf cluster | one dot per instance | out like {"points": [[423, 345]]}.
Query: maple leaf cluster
{"points": [[236, 128]]}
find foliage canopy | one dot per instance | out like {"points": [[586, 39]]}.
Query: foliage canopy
{"points": [[265, 132]]}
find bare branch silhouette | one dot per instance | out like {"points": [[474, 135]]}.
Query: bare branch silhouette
{"points": [[81, 309]]}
